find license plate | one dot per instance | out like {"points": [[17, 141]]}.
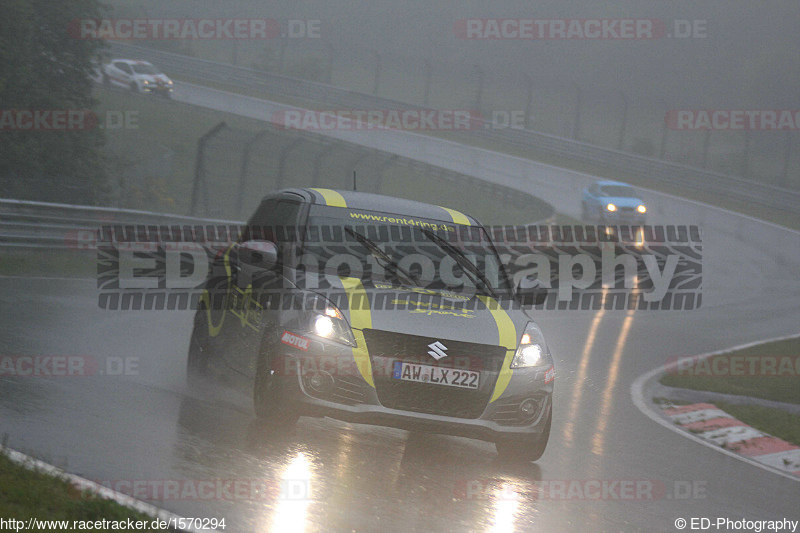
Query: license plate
{"points": [[437, 375]]}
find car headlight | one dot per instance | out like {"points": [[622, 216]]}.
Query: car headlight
{"points": [[611, 207], [326, 321], [642, 209], [532, 350]]}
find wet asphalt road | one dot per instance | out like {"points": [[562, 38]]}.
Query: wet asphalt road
{"points": [[330, 475]]}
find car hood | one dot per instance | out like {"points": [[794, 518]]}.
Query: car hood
{"points": [[153, 78], [622, 201], [429, 313]]}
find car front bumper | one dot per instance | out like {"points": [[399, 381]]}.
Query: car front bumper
{"points": [[348, 396]]}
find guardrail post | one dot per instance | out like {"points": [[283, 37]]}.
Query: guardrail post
{"points": [[199, 168]]}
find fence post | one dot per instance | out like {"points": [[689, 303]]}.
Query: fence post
{"points": [[376, 84], [284, 155], [624, 123], [428, 74], [243, 169], [199, 168]]}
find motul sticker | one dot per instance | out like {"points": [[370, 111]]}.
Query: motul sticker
{"points": [[295, 341], [550, 375]]}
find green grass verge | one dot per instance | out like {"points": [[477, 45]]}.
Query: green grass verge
{"points": [[172, 130], [775, 422], [38, 263], [784, 387], [26, 493]]}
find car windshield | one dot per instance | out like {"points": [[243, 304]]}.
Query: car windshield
{"points": [[398, 249], [618, 191], [144, 68]]}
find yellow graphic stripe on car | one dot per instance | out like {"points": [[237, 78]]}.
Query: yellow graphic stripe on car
{"points": [[507, 336], [360, 319], [458, 217], [213, 330], [332, 198]]}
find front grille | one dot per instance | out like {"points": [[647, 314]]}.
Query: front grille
{"points": [[386, 347]]}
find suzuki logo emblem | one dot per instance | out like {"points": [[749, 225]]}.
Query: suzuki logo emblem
{"points": [[437, 350]]}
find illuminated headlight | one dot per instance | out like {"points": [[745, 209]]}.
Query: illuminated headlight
{"points": [[642, 209], [611, 207], [532, 350], [327, 321], [146, 82], [169, 82]]}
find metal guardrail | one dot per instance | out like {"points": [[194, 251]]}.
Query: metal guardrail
{"points": [[25, 224], [685, 177]]}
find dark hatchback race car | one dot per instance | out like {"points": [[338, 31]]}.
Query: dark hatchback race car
{"points": [[376, 310]]}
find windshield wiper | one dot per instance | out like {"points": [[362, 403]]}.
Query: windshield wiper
{"points": [[466, 265], [380, 255]]}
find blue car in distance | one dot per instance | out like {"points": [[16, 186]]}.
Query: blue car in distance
{"points": [[612, 202]]}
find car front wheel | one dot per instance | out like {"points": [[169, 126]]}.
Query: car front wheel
{"points": [[269, 401]]}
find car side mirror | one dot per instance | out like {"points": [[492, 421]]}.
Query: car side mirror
{"points": [[530, 293], [262, 255]]}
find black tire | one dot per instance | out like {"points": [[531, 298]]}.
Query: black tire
{"points": [[524, 449], [199, 350], [269, 401]]}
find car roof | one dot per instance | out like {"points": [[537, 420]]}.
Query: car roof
{"points": [[612, 182], [132, 61], [365, 201]]}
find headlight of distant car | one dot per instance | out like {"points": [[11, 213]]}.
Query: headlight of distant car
{"points": [[146, 82], [326, 321], [611, 207], [642, 209], [532, 350], [169, 82]]}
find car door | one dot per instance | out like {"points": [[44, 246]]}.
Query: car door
{"points": [[274, 221], [121, 73]]}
